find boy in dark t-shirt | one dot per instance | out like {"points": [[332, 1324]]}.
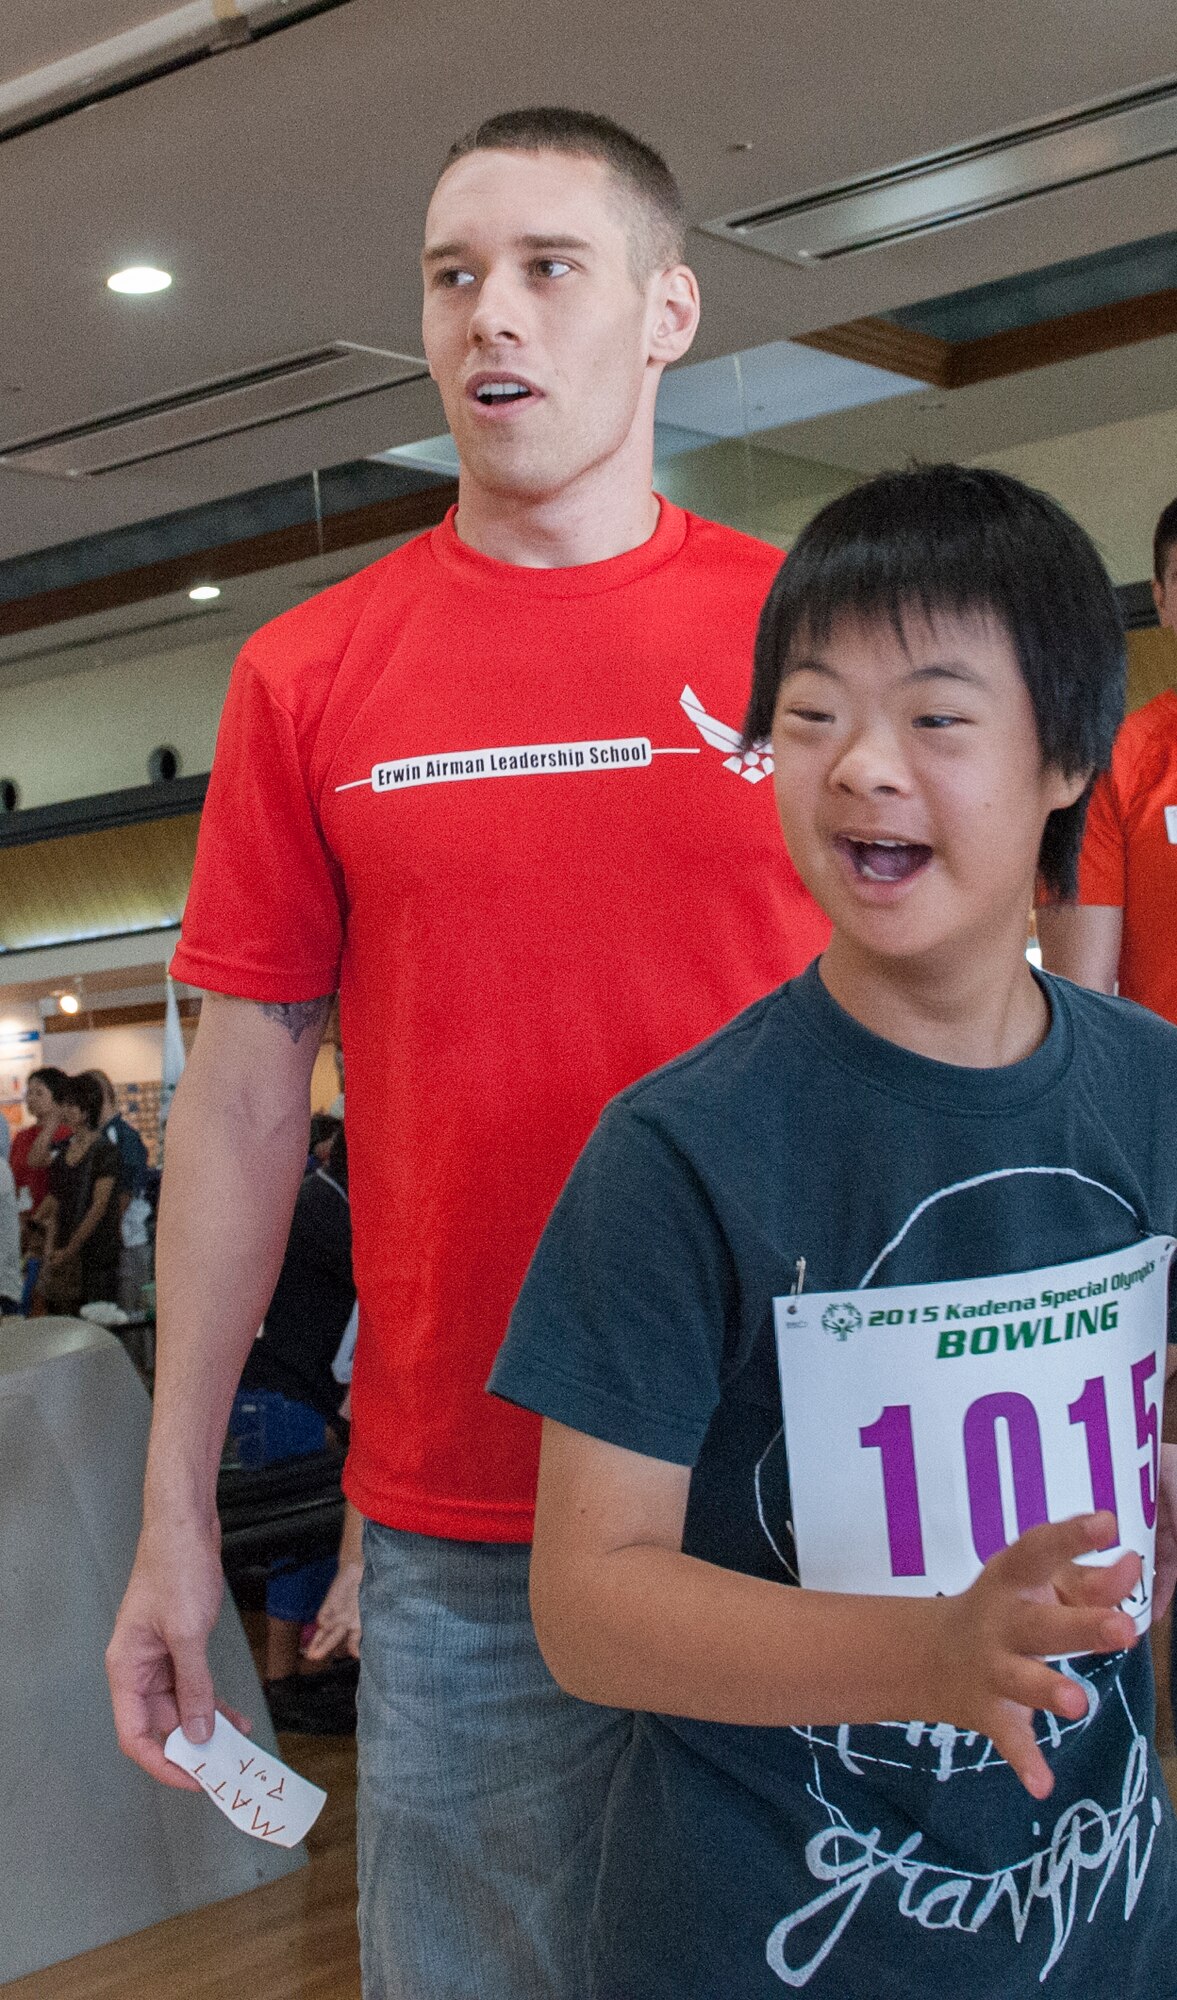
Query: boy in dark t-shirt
{"points": [[869, 1293]]}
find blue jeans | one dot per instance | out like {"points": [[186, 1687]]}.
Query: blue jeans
{"points": [[482, 1786]]}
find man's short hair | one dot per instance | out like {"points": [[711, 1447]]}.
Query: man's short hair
{"points": [[658, 220], [960, 541], [1163, 541]]}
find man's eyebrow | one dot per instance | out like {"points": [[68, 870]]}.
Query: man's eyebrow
{"points": [[442, 253]]}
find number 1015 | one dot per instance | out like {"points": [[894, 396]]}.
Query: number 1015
{"points": [[892, 1437]]}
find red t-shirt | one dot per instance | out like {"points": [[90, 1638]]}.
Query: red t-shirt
{"points": [[503, 810], [35, 1179], [1129, 858]]}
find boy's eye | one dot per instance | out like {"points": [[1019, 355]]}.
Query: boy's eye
{"points": [[799, 714], [452, 279], [936, 721], [551, 267]]}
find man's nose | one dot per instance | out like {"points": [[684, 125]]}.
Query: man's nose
{"points": [[498, 314]]}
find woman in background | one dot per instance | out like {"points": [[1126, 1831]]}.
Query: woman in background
{"points": [[32, 1146], [81, 1213]]}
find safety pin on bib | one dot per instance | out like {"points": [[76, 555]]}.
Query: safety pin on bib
{"points": [[798, 1285]]}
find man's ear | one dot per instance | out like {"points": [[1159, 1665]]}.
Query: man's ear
{"points": [[675, 315]]}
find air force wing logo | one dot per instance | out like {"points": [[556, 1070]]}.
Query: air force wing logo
{"points": [[752, 764]]}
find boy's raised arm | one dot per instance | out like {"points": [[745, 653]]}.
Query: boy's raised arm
{"points": [[626, 1619]]}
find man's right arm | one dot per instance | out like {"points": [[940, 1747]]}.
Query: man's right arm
{"points": [[236, 1148]]}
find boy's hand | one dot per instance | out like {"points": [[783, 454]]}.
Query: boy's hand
{"points": [[1032, 1602]]}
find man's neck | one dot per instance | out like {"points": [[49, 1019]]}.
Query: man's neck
{"points": [[607, 511], [979, 1012]]}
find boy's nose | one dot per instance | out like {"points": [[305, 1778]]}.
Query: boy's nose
{"points": [[870, 765]]}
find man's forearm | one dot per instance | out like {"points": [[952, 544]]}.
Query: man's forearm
{"points": [[231, 1178]]}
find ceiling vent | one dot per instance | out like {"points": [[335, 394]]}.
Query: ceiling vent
{"points": [[151, 48], [222, 408], [942, 189]]}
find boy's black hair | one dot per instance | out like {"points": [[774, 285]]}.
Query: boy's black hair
{"points": [[86, 1092], [53, 1079], [1163, 540], [659, 237], [958, 540]]}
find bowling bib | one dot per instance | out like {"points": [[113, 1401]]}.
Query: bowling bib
{"points": [[928, 1426]]}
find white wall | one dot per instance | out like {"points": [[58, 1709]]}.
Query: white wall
{"points": [[128, 1055], [94, 731]]}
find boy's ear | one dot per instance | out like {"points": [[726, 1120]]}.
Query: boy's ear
{"points": [[1064, 788]]}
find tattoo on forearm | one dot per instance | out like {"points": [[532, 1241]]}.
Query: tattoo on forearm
{"points": [[296, 1016]]}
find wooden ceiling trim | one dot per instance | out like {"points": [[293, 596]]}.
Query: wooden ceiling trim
{"points": [[1099, 330], [144, 1014], [114, 880], [958, 365], [881, 344], [404, 514]]}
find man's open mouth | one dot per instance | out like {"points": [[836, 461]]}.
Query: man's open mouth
{"points": [[884, 860], [490, 394]]}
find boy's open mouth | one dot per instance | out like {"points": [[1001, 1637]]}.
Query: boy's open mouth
{"points": [[884, 860]]}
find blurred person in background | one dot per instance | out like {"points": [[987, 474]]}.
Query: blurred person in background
{"points": [[322, 1137], [288, 1405], [32, 1146], [132, 1171], [80, 1213], [1121, 935], [10, 1273], [134, 1267]]}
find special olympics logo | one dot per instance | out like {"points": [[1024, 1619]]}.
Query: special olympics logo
{"points": [[841, 1320]]}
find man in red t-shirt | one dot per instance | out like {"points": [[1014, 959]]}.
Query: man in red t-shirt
{"points": [[492, 788], [1120, 935]]}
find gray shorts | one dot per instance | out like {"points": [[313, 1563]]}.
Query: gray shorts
{"points": [[482, 1786]]}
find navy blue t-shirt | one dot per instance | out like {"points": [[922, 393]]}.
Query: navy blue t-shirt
{"points": [[852, 1863]]}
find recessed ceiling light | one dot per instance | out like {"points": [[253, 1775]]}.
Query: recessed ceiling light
{"points": [[69, 1003], [203, 592], [138, 279]]}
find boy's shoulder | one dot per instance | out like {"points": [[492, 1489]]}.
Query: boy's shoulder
{"points": [[719, 1072]]}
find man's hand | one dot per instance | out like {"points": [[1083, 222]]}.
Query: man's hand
{"points": [[157, 1660], [1033, 1602]]}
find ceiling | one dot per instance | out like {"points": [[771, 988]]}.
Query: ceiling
{"points": [[284, 184]]}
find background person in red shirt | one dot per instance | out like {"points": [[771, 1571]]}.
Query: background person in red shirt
{"points": [[1122, 932], [492, 790], [32, 1145]]}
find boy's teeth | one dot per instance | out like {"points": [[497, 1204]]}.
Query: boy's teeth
{"points": [[499, 392], [888, 860]]}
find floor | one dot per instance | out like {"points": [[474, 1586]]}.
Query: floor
{"points": [[295, 1939]]}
